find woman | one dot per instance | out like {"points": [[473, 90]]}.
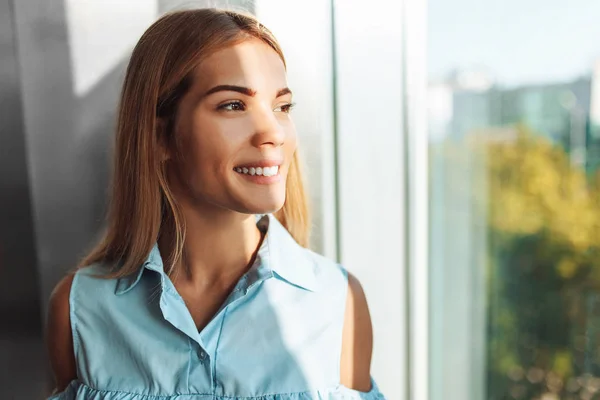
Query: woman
{"points": [[202, 285]]}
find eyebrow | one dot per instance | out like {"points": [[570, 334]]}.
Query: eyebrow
{"points": [[243, 90]]}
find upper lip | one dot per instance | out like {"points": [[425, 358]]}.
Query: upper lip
{"points": [[260, 163]]}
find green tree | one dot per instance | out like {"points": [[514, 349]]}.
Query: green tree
{"points": [[543, 230], [544, 262]]}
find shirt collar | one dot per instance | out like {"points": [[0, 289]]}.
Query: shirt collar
{"points": [[284, 256], [153, 262], [279, 253]]}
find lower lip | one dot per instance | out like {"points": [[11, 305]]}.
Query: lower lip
{"points": [[259, 179]]}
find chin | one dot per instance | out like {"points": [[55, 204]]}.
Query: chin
{"points": [[262, 206], [263, 201], [266, 208]]}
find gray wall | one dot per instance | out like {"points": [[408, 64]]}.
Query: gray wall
{"points": [[67, 140], [18, 286], [20, 330]]}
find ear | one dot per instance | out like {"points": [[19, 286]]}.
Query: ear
{"points": [[163, 141]]}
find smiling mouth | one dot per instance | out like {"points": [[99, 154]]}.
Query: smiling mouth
{"points": [[258, 171]]}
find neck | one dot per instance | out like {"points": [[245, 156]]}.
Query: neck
{"points": [[219, 246]]}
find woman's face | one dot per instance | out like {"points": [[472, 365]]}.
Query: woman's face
{"points": [[235, 136]]}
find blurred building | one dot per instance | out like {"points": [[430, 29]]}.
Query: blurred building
{"points": [[567, 113], [459, 103], [593, 147]]}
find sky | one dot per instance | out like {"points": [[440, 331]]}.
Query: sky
{"points": [[518, 41]]}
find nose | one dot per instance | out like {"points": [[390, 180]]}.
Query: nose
{"points": [[268, 130]]}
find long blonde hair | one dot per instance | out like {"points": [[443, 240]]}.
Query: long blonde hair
{"points": [[142, 206]]}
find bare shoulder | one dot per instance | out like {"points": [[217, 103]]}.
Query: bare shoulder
{"points": [[357, 339], [59, 338]]}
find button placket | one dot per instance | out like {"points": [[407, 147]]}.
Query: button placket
{"points": [[202, 355]]}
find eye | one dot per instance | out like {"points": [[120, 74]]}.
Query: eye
{"points": [[286, 108], [233, 106]]}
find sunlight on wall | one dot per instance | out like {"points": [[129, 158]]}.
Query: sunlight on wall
{"points": [[101, 34]]}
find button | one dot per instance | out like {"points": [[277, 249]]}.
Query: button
{"points": [[202, 355]]}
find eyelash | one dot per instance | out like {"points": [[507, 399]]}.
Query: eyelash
{"points": [[231, 103], [286, 108]]}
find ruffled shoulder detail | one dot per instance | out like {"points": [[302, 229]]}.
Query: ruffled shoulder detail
{"points": [[342, 392], [79, 391]]}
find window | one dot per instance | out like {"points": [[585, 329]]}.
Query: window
{"points": [[513, 114]]}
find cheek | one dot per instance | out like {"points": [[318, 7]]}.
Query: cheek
{"points": [[214, 142], [195, 152], [208, 136], [291, 139]]}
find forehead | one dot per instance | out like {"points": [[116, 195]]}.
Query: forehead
{"points": [[252, 63]]}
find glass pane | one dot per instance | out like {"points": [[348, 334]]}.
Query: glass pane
{"points": [[514, 133]]}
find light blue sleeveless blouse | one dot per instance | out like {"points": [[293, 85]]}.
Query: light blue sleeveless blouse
{"points": [[277, 337]]}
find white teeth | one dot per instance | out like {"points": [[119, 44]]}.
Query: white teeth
{"points": [[270, 171], [260, 171]]}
